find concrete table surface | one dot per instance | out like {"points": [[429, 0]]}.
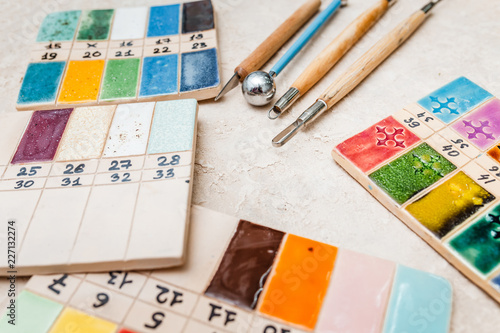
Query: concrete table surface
{"points": [[299, 188]]}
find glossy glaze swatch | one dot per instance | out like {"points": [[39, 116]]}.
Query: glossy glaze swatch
{"points": [[109, 56], [443, 183], [251, 279], [87, 187]]}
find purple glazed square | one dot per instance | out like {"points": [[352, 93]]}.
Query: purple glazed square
{"points": [[481, 127], [41, 138]]}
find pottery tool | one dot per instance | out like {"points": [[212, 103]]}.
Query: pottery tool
{"points": [[241, 277], [259, 87], [357, 72], [271, 45], [435, 164], [111, 56], [330, 56], [96, 187]]}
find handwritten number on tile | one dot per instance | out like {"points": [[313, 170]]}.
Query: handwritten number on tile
{"points": [[89, 55], [103, 299], [117, 165], [163, 161], [24, 184], [114, 275], [71, 169], [24, 171], [49, 56], [164, 49], [60, 282], [157, 317], [451, 151]]}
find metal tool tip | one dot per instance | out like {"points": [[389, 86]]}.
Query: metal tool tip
{"points": [[274, 113], [230, 85], [288, 133], [429, 6]]}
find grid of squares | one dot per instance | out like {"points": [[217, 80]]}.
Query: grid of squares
{"points": [[72, 180], [332, 292], [435, 165], [109, 56]]}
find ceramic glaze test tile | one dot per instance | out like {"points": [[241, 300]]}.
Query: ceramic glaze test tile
{"points": [[447, 186], [68, 173], [136, 54], [294, 279]]}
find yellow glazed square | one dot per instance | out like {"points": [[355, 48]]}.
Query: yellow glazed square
{"points": [[82, 82], [450, 204], [78, 322]]}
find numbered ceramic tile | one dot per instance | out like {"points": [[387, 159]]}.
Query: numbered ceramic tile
{"points": [[128, 283], [129, 132], [444, 186], [482, 126], [461, 144], [413, 124], [478, 244], [107, 304], [454, 99], [253, 279], [146, 318], [59, 288], [411, 173], [377, 144], [72, 181], [110, 56], [169, 297]]}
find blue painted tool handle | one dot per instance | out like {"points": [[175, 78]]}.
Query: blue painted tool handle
{"points": [[306, 36]]}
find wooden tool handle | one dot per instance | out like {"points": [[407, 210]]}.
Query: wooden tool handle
{"points": [[276, 40], [372, 59], [339, 47]]}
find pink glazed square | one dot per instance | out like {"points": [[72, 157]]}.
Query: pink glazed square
{"points": [[481, 127], [358, 294]]}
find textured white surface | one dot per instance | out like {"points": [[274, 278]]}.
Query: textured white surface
{"points": [[299, 188], [129, 23]]}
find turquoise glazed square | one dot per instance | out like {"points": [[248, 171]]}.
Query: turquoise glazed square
{"points": [[479, 244], [41, 83], [59, 27], [455, 99]]}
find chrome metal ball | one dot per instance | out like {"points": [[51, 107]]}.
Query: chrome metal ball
{"points": [[258, 88]]}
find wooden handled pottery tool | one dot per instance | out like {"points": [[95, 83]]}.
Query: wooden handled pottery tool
{"points": [[330, 56], [259, 87], [272, 44], [357, 72]]}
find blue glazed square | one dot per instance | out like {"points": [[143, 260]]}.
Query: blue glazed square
{"points": [[41, 82], [200, 70], [159, 75], [454, 99], [496, 282], [163, 21]]}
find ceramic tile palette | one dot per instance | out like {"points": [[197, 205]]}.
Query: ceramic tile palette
{"points": [[436, 166], [107, 56], [242, 277], [97, 187]]}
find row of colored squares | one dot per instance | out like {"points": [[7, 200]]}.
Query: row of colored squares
{"points": [[385, 303], [391, 137], [91, 132], [127, 23], [87, 81], [312, 286]]}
